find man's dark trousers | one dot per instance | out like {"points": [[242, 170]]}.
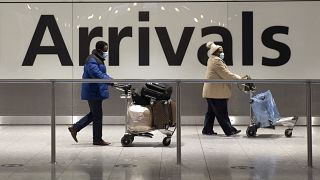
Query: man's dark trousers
{"points": [[95, 116]]}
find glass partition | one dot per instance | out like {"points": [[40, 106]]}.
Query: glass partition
{"points": [[25, 110]]}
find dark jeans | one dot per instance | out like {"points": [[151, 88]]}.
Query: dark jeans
{"points": [[218, 108], [95, 116]]}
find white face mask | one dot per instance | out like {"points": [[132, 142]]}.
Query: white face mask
{"points": [[221, 56], [105, 55]]}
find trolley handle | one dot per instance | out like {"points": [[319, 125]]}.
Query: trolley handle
{"points": [[122, 87], [247, 87]]}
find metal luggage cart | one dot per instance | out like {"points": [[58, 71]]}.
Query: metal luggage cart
{"points": [[251, 131], [129, 135]]}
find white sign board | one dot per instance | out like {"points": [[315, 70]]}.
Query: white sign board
{"points": [[276, 40]]}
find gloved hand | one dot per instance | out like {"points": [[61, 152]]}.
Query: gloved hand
{"points": [[246, 77], [114, 84]]}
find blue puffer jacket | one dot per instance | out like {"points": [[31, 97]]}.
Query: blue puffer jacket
{"points": [[94, 69]]}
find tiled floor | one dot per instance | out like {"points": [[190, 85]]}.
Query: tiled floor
{"points": [[270, 155]]}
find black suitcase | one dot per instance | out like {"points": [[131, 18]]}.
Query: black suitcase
{"points": [[140, 100], [158, 87], [156, 91]]}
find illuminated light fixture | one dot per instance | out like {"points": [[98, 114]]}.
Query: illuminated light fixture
{"points": [[57, 19], [28, 6], [219, 23], [162, 8], [211, 21], [134, 4], [78, 17], [99, 17], [128, 9], [116, 12], [110, 8], [201, 16], [65, 24], [90, 17], [78, 26], [195, 19], [177, 9], [186, 8]]}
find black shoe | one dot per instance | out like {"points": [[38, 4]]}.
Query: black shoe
{"points": [[101, 143], [209, 133], [73, 132], [234, 133]]}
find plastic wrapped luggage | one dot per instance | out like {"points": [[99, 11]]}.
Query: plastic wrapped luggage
{"points": [[265, 109], [156, 91], [264, 112], [139, 118]]}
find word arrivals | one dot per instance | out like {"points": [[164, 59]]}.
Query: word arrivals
{"points": [[174, 58]]}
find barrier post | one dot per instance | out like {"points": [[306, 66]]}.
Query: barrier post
{"points": [[53, 123], [178, 124], [309, 124]]}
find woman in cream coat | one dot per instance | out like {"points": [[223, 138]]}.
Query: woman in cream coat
{"points": [[217, 94]]}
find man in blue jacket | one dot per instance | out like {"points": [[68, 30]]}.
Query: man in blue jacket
{"points": [[94, 93]]}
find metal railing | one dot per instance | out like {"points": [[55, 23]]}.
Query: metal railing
{"points": [[178, 83]]}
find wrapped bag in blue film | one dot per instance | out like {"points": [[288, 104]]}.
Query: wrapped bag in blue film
{"points": [[265, 109]]}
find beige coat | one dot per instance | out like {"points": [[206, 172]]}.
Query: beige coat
{"points": [[217, 69]]}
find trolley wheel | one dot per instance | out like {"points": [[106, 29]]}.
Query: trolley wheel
{"points": [[251, 131], [126, 140], [166, 141], [288, 132]]}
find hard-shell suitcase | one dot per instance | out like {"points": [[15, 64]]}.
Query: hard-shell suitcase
{"points": [[161, 114], [173, 112]]}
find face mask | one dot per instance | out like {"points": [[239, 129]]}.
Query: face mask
{"points": [[221, 56], [105, 55]]}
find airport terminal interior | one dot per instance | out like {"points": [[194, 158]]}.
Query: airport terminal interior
{"points": [[26, 138]]}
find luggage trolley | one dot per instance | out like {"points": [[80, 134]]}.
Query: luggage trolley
{"points": [[129, 135], [264, 113]]}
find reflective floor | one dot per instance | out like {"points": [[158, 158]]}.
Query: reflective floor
{"points": [[25, 154]]}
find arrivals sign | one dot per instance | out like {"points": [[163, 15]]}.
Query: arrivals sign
{"points": [[159, 40]]}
